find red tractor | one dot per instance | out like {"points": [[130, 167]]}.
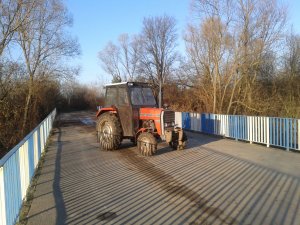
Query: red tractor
{"points": [[131, 112]]}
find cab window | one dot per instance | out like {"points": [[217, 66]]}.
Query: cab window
{"points": [[123, 97], [111, 95], [142, 96]]}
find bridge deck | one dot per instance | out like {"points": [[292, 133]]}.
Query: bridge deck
{"points": [[213, 181]]}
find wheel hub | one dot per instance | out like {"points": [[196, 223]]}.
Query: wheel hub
{"points": [[106, 131]]}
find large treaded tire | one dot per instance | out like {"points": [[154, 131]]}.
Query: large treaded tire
{"points": [[147, 144], [109, 132]]}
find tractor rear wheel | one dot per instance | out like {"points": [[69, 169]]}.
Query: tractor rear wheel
{"points": [[109, 132], [147, 144]]}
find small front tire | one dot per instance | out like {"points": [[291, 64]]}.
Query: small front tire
{"points": [[175, 143], [147, 144]]}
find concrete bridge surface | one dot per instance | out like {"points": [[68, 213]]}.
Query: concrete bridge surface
{"points": [[213, 181]]}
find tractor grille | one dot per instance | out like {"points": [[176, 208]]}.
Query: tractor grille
{"points": [[169, 118]]}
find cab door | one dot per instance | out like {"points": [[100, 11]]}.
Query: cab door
{"points": [[125, 112]]}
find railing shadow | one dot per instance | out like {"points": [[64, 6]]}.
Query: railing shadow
{"points": [[58, 197]]}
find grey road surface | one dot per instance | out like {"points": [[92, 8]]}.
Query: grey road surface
{"points": [[213, 181]]}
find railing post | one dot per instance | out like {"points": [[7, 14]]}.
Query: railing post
{"points": [[222, 125], [24, 168], [260, 128], [198, 122], [42, 138], [2, 199], [178, 119], [298, 133], [268, 131], [36, 151], [287, 132], [236, 130], [251, 129]]}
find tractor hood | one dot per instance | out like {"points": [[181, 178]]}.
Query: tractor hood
{"points": [[163, 119], [150, 113]]}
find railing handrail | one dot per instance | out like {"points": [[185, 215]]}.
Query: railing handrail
{"points": [[294, 118], [16, 147]]}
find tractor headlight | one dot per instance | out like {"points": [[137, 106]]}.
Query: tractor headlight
{"points": [[170, 124]]}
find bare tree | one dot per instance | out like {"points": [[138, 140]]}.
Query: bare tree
{"points": [[291, 58], [12, 16], [288, 82], [130, 52], [29, 85], [158, 55], [42, 39], [110, 59], [210, 48], [10, 20], [230, 46], [260, 29], [121, 60]]}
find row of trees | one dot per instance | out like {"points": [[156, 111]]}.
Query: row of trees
{"points": [[240, 58], [34, 50]]}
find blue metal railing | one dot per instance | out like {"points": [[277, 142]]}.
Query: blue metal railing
{"points": [[272, 131], [17, 168]]}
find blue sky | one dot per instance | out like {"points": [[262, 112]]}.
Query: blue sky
{"points": [[98, 22]]}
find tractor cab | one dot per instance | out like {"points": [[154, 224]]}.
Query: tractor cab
{"points": [[129, 93]]}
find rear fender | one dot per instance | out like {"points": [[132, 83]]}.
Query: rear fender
{"points": [[104, 110]]}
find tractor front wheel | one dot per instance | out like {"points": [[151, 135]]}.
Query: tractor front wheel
{"points": [[147, 144], [175, 142], [109, 132]]}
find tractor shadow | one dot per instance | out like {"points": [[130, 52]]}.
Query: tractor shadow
{"points": [[195, 139]]}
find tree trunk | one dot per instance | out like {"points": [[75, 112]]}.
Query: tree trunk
{"points": [[27, 105], [160, 95], [215, 98]]}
